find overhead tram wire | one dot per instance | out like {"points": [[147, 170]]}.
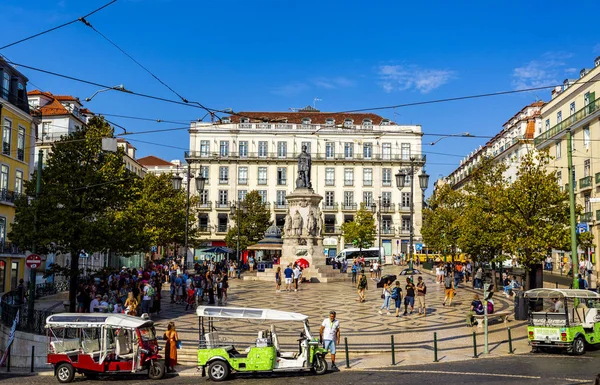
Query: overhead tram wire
{"points": [[58, 26]]}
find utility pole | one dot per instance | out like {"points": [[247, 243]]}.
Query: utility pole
{"points": [[38, 189], [573, 221]]}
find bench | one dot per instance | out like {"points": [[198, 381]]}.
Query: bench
{"points": [[501, 314], [65, 346]]}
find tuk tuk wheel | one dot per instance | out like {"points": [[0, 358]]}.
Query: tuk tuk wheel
{"points": [[320, 365], [578, 346], [65, 373], [218, 370], [156, 370]]}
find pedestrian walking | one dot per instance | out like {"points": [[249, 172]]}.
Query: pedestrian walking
{"points": [[289, 274], [354, 271], [362, 286], [386, 296], [449, 290], [278, 280], [297, 274], [330, 335], [172, 339], [397, 297], [409, 299], [421, 291]]}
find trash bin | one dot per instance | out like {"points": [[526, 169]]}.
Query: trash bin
{"points": [[260, 267], [520, 306]]}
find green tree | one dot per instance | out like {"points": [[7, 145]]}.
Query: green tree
{"points": [[440, 231], [480, 225], [535, 212], [83, 188], [361, 232], [585, 241], [255, 219]]}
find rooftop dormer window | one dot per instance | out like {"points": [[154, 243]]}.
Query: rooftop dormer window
{"points": [[367, 123], [226, 120], [385, 122], [305, 121], [330, 122], [348, 123]]}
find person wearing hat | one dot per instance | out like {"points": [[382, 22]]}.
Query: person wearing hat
{"points": [[95, 303], [330, 335]]}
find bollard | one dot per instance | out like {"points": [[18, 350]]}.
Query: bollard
{"points": [[393, 352], [556, 284], [510, 349], [8, 361], [347, 355], [475, 345], [435, 356], [32, 356]]}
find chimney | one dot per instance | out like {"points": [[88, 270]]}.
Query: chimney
{"points": [[556, 91], [597, 62], [583, 72]]}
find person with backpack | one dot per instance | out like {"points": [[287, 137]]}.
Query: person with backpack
{"points": [[449, 290], [476, 308], [421, 291], [362, 286], [397, 297]]}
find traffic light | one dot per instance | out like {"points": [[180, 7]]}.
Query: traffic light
{"points": [[488, 291]]}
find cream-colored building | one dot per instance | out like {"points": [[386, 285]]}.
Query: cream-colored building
{"points": [[354, 160], [574, 107], [508, 146]]}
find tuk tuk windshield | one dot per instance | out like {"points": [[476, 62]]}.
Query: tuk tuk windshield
{"points": [[148, 333]]}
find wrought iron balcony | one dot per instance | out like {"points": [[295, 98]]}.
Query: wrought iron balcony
{"points": [[222, 228], [10, 248], [330, 207], [585, 183], [586, 217], [9, 195], [568, 122], [349, 207], [205, 205], [387, 230], [280, 205], [598, 215], [388, 208], [597, 178], [222, 205]]}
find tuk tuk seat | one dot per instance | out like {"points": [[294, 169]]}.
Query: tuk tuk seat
{"points": [[123, 347], [90, 346], [65, 346], [590, 318], [214, 341]]}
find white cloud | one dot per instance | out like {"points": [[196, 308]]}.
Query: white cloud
{"points": [[402, 78], [543, 72], [333, 83], [290, 89]]}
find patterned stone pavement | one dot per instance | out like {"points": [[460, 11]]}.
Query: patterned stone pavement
{"points": [[366, 330]]}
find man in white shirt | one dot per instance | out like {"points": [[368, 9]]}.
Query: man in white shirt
{"points": [[95, 303], [297, 274], [376, 269], [558, 306], [330, 335]]}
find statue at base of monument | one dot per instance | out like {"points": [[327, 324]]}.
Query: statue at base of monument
{"points": [[297, 224], [304, 166], [311, 224], [287, 228]]}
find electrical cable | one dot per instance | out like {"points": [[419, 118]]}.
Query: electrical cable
{"points": [[57, 27]]}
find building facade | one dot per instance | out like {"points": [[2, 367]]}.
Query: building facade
{"points": [[508, 146], [354, 159], [574, 108], [16, 161]]}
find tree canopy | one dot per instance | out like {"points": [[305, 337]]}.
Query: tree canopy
{"points": [[254, 219], [360, 232]]}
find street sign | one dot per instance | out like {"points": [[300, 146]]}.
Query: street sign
{"points": [[33, 261], [418, 246], [582, 228]]}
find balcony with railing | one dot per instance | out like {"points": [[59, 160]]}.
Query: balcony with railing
{"points": [[574, 186], [598, 215], [349, 206], [329, 182], [9, 195], [204, 229], [280, 205], [569, 121], [348, 182], [222, 205], [586, 217], [387, 231], [10, 248], [330, 206], [222, 229], [205, 206], [403, 208], [585, 183]]}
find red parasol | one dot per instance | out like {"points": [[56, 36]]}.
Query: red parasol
{"points": [[303, 263]]}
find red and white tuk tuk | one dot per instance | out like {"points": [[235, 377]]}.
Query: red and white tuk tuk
{"points": [[96, 344]]}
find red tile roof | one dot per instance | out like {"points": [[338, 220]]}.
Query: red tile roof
{"points": [[53, 108], [315, 117], [152, 160], [38, 92]]}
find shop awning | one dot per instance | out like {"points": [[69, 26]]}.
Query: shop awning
{"points": [[265, 246]]}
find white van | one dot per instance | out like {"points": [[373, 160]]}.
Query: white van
{"points": [[371, 255]]}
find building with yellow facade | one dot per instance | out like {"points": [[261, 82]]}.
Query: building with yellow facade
{"points": [[574, 108], [16, 162]]}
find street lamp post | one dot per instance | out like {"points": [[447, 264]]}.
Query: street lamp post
{"points": [[200, 181], [378, 213], [235, 210], [415, 163]]}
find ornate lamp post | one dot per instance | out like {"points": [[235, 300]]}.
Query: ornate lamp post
{"points": [[176, 180], [378, 213], [415, 163]]}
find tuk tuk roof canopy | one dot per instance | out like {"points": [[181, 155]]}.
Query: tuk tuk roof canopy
{"points": [[96, 320], [248, 313], [561, 293]]}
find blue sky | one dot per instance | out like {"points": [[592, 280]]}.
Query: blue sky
{"points": [[273, 55]]}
